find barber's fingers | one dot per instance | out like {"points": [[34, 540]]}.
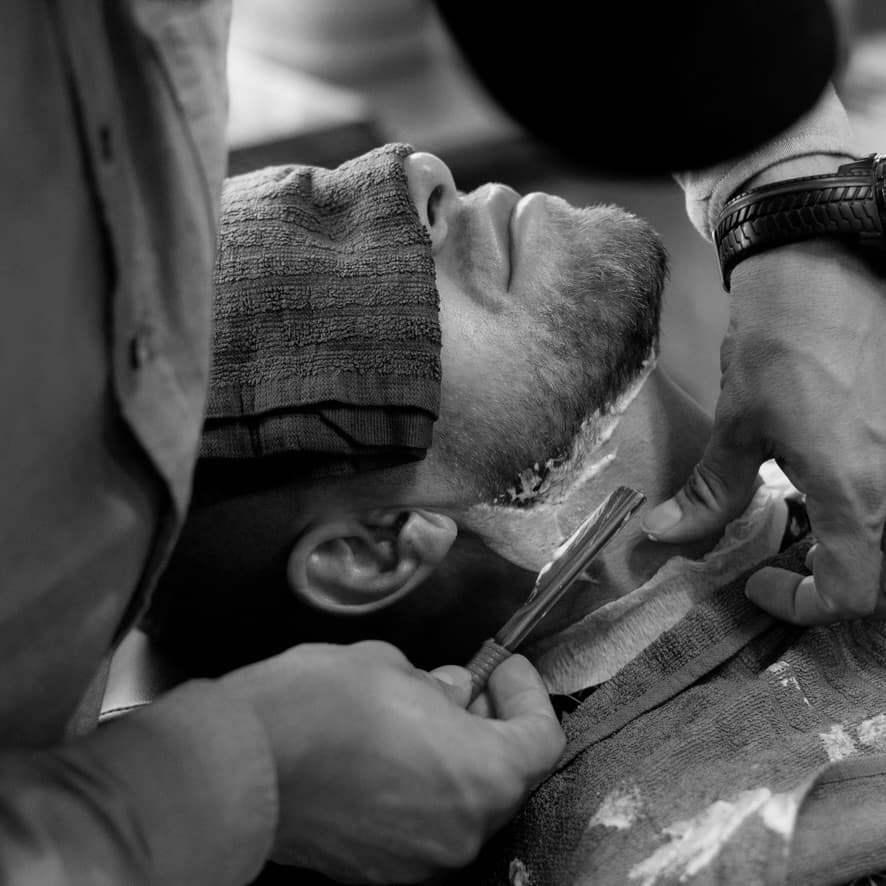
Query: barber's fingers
{"points": [[482, 705], [525, 716], [455, 682], [810, 558], [847, 574], [718, 490]]}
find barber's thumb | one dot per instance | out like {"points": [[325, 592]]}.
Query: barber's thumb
{"points": [[718, 490], [455, 682]]}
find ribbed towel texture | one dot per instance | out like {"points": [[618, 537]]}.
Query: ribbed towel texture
{"points": [[326, 335], [734, 749]]}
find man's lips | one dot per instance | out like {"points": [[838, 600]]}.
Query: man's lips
{"points": [[526, 209], [501, 202], [512, 219]]}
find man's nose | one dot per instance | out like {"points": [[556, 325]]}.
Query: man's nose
{"points": [[432, 189]]}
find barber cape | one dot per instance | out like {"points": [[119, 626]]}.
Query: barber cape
{"points": [[730, 749]]}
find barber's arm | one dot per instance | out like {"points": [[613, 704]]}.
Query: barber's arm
{"points": [[181, 792], [803, 360], [342, 759], [803, 363]]}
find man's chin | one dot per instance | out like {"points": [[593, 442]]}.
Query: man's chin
{"points": [[528, 536], [607, 321]]}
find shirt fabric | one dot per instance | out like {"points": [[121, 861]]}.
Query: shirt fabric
{"points": [[111, 175]]}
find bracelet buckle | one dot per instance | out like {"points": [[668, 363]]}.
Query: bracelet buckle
{"points": [[874, 166]]}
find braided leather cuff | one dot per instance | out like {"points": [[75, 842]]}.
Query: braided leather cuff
{"points": [[849, 204]]}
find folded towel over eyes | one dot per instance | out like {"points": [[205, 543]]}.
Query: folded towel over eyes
{"points": [[326, 330]]}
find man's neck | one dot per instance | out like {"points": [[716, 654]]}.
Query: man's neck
{"points": [[658, 441]]}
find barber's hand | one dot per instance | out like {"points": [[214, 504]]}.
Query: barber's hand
{"points": [[383, 776], [804, 380]]}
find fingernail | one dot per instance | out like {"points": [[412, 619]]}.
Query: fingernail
{"points": [[662, 518], [810, 558], [459, 679]]}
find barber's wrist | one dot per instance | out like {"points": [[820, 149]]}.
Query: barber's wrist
{"points": [[770, 211]]}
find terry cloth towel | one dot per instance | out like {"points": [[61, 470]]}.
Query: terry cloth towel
{"points": [[326, 335], [734, 750]]}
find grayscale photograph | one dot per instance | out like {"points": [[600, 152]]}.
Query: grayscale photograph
{"points": [[444, 443]]}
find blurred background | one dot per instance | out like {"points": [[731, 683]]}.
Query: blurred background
{"points": [[320, 81]]}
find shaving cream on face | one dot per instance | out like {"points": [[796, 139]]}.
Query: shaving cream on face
{"points": [[529, 536]]}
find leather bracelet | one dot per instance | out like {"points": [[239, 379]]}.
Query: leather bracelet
{"points": [[849, 204]]}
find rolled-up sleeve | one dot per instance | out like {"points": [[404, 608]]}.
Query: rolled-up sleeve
{"points": [[823, 130], [181, 792]]}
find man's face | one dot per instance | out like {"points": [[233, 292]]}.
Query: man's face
{"points": [[547, 313]]}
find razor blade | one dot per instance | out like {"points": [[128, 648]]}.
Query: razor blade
{"points": [[569, 562]]}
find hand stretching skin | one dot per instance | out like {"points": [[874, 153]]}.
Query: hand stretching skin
{"points": [[383, 776], [803, 380]]}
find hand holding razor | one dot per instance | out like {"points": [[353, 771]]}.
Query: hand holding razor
{"points": [[557, 576]]}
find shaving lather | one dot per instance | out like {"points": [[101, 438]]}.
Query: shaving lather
{"points": [[555, 579]]}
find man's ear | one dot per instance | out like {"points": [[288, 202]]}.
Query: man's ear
{"points": [[359, 563]]}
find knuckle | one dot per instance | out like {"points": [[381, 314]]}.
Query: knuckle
{"points": [[705, 488], [733, 406], [465, 850], [460, 843], [527, 765], [856, 603], [857, 606], [549, 744], [506, 779]]}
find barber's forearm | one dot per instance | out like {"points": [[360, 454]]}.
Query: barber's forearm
{"points": [[183, 792], [818, 142]]}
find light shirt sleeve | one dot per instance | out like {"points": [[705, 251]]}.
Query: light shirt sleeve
{"points": [[180, 793], [823, 130]]}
